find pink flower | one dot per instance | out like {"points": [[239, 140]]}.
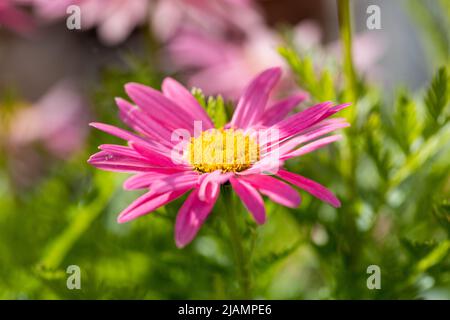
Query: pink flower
{"points": [[217, 18], [205, 162], [55, 121], [218, 63], [114, 19], [14, 18]]}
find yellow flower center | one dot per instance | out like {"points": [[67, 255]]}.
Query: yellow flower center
{"points": [[228, 150]]}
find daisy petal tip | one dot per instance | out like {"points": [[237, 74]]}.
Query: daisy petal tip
{"points": [[275, 70], [261, 220], [119, 101], [336, 203], [122, 219], [169, 81], [132, 87], [94, 124], [180, 243]]}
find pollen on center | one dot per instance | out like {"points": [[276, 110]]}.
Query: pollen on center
{"points": [[227, 150]]}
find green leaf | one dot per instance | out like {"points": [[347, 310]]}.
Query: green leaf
{"points": [[405, 127], [442, 214], [214, 106], [437, 95], [272, 258], [418, 249], [320, 85], [83, 216], [434, 257], [427, 151]]}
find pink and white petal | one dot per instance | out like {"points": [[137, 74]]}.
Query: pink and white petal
{"points": [[209, 184], [180, 95], [253, 102], [191, 217], [118, 162], [300, 121], [320, 129], [145, 179], [122, 150], [162, 108], [187, 179], [310, 147], [251, 199], [154, 157], [268, 164], [312, 187], [117, 132], [276, 190], [281, 109], [143, 123], [148, 203]]}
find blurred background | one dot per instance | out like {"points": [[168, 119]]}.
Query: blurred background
{"points": [[391, 172]]}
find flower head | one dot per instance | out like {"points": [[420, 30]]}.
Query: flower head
{"points": [[114, 19], [257, 141]]}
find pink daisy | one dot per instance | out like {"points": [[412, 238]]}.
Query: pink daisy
{"points": [[207, 159], [113, 19]]}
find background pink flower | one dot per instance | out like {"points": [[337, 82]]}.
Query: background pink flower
{"points": [[114, 19], [56, 121], [14, 18]]}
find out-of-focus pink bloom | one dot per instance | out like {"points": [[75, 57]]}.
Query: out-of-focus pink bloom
{"points": [[217, 18], [221, 66], [205, 163], [14, 18], [224, 65], [56, 121], [114, 19]]}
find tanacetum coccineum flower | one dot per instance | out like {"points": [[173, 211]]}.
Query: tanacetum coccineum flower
{"points": [[214, 156]]}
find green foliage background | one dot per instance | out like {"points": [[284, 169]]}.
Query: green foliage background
{"points": [[391, 172]]}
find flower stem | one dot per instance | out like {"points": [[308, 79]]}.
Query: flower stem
{"points": [[345, 31], [351, 92], [237, 242]]}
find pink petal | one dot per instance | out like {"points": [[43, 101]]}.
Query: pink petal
{"points": [[305, 119], [178, 94], [118, 162], [148, 203], [15, 19], [311, 187], [122, 150], [210, 184], [251, 199], [191, 217], [302, 120], [253, 102], [142, 123], [320, 129], [310, 147], [153, 156], [120, 133], [155, 104], [281, 109], [186, 179], [276, 190], [145, 179]]}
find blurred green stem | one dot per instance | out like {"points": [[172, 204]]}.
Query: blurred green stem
{"points": [[351, 92], [345, 31], [237, 242]]}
